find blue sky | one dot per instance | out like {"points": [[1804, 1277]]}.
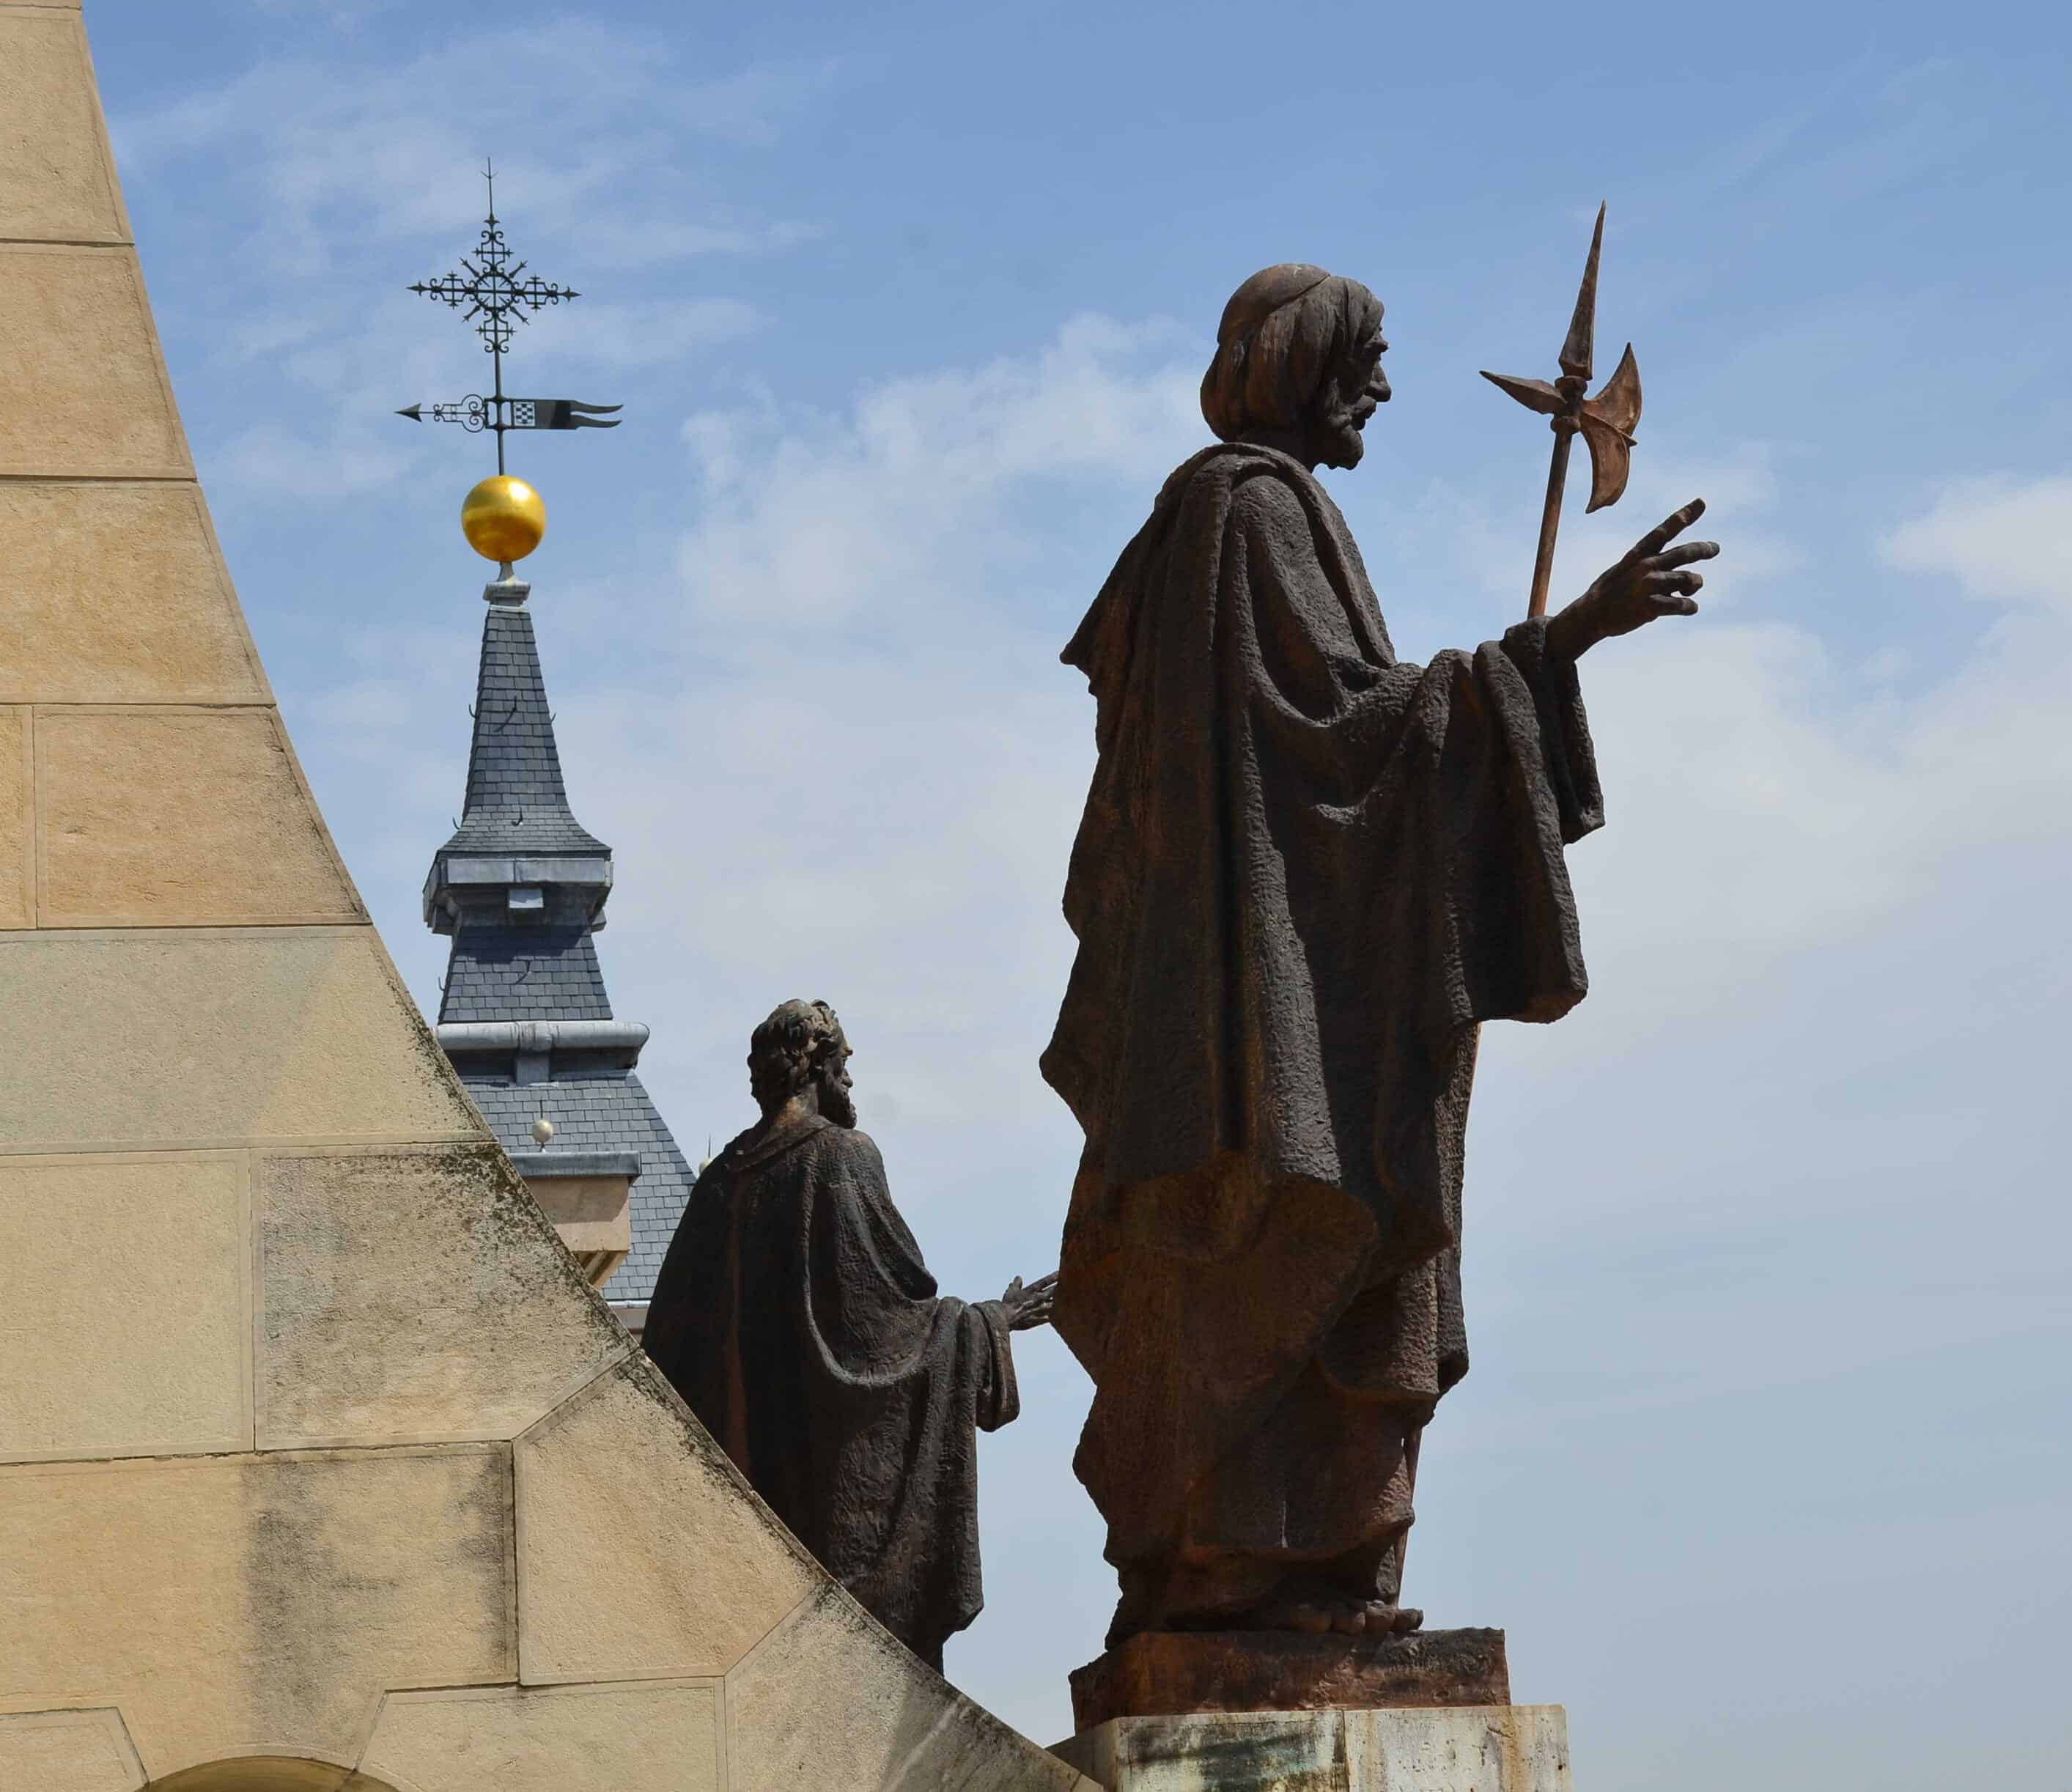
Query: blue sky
{"points": [[1764, 1459]]}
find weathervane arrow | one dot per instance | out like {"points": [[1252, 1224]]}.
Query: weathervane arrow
{"points": [[473, 413], [1606, 422]]}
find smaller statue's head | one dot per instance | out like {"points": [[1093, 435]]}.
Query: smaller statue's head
{"points": [[1298, 364], [800, 1050]]}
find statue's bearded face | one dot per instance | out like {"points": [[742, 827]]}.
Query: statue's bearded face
{"points": [[800, 1048], [1349, 396], [832, 1075]]}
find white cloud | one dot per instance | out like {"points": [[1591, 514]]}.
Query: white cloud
{"points": [[618, 242], [2004, 540], [638, 333], [868, 519], [752, 106], [269, 459], [344, 13], [371, 143], [889, 759]]}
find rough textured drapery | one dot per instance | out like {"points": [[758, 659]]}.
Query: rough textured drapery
{"points": [[1305, 872], [796, 1318]]}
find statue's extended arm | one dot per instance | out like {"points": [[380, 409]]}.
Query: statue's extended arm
{"points": [[1028, 1308], [1654, 580]]}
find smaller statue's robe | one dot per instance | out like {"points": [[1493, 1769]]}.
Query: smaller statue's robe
{"points": [[796, 1316], [1306, 872]]}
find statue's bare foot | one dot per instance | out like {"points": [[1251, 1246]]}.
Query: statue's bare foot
{"points": [[1407, 1619], [1310, 1615], [1316, 1610]]}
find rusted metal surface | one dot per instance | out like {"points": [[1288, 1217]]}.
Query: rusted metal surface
{"points": [[1171, 1674]]}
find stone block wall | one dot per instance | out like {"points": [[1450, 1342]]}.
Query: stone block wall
{"points": [[321, 1465]]}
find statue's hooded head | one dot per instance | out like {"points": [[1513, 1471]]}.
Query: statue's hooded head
{"points": [[801, 1046], [1298, 364]]}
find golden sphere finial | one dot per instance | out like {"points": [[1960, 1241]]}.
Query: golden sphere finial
{"points": [[503, 518]]}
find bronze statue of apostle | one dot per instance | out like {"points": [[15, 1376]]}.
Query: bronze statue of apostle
{"points": [[1307, 871], [796, 1316]]}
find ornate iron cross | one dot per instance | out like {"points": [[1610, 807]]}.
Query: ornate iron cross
{"points": [[496, 299]]}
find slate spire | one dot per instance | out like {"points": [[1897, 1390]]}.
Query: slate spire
{"points": [[521, 886], [515, 798]]}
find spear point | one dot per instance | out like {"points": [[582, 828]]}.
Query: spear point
{"points": [[1580, 349]]}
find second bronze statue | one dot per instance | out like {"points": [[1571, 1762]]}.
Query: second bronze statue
{"points": [[795, 1315]]}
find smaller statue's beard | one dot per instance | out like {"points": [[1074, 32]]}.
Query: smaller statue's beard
{"points": [[838, 1105]]}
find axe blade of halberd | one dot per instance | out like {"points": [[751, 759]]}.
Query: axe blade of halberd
{"points": [[1608, 421], [1535, 395]]}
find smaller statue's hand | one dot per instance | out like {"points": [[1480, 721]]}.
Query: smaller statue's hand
{"points": [[1654, 580], [1027, 1307]]}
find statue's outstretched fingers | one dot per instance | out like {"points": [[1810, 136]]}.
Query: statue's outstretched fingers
{"points": [[1672, 526], [1685, 551]]}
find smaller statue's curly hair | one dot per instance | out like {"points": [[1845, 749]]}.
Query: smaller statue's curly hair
{"points": [[1284, 332], [787, 1049]]}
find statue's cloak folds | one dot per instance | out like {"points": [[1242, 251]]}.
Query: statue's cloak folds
{"points": [[1305, 872], [796, 1316]]}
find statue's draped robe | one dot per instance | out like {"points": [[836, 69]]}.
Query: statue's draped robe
{"points": [[796, 1316], [1305, 872]]}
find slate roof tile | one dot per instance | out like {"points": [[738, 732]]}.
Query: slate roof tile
{"points": [[541, 972]]}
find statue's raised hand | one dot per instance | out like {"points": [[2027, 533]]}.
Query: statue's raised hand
{"points": [[1027, 1307], [1653, 580]]}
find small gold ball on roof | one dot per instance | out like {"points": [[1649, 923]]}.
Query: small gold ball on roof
{"points": [[503, 518], [543, 1130]]}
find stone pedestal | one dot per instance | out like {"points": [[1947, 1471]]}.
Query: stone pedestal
{"points": [[1172, 1673], [1449, 1749]]}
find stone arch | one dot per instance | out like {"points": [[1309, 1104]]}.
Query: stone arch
{"points": [[266, 1773]]}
